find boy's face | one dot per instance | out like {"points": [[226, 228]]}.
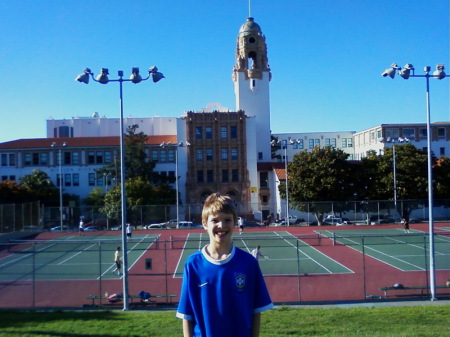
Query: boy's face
{"points": [[220, 227]]}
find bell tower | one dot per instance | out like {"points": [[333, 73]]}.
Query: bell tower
{"points": [[251, 77]]}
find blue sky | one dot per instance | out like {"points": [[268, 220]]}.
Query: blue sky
{"points": [[326, 58]]}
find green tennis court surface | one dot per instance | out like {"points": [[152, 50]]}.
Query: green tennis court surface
{"points": [[404, 251], [73, 257], [286, 254]]}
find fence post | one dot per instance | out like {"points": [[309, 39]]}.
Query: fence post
{"points": [[100, 271], [364, 266], [34, 276], [298, 273]]}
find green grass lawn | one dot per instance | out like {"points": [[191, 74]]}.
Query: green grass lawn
{"points": [[428, 320]]}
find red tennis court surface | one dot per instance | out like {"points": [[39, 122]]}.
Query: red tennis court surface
{"points": [[368, 275]]}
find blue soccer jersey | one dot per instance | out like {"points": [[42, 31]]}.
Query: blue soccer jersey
{"points": [[220, 297]]}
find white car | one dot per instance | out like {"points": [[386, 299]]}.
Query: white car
{"points": [[156, 226]]}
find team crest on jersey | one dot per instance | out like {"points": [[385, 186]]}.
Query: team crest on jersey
{"points": [[240, 279]]}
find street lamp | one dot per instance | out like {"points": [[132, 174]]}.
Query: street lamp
{"points": [[285, 143], [394, 141], [135, 78], [175, 146], [438, 74], [54, 145]]}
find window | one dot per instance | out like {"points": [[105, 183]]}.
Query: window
{"points": [[44, 158], [392, 133], [223, 132], [163, 156], [91, 179], [107, 157], [224, 154], [327, 142], [4, 159], [76, 179], [344, 142], [91, 157], [317, 142], [12, 159], [224, 176], [75, 158], [423, 133], [350, 142], [35, 158], [234, 153], [171, 156], [27, 159], [99, 180], [64, 131], [198, 132], [409, 133], [300, 144], [235, 175], [199, 154], [263, 179], [260, 156], [209, 154], [200, 176], [67, 158], [208, 132], [442, 151], [441, 133], [99, 157], [68, 179], [233, 131], [311, 143], [210, 176], [155, 155]]}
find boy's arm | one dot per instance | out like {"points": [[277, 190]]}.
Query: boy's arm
{"points": [[188, 328], [256, 322]]}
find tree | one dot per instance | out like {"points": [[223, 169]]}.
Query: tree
{"points": [[324, 174], [96, 198], [442, 178], [411, 176], [11, 192], [39, 183]]}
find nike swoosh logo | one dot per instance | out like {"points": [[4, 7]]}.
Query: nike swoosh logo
{"points": [[203, 284]]}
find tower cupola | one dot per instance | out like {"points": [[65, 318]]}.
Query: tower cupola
{"points": [[251, 51]]}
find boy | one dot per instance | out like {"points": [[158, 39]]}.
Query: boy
{"points": [[223, 291]]}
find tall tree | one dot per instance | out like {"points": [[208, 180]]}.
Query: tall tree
{"points": [[324, 174], [11, 192], [41, 186]]}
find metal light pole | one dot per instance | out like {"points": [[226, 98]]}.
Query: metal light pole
{"points": [[438, 74], [285, 144], [135, 78], [60, 183], [176, 146]]}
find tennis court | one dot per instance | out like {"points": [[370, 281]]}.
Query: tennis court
{"points": [[403, 251], [70, 258], [284, 253]]}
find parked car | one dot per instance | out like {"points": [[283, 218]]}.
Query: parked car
{"points": [[58, 228], [188, 224], [91, 229], [100, 223], [156, 226]]}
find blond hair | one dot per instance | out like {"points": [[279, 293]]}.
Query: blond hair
{"points": [[218, 203]]}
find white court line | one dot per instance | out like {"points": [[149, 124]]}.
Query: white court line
{"points": [[382, 253], [298, 249]]}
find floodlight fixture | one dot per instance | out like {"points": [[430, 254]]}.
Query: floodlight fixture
{"points": [[103, 76], [390, 71], [135, 77], [406, 71], [439, 73], [84, 77]]}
